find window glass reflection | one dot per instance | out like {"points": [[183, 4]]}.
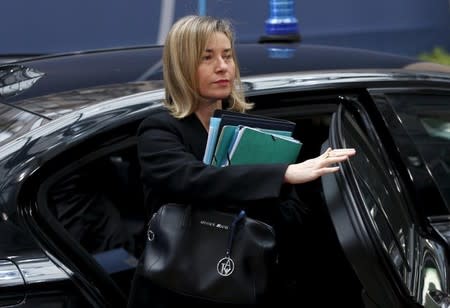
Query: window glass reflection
{"points": [[426, 118], [436, 127]]}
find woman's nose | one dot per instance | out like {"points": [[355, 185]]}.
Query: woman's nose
{"points": [[221, 64]]}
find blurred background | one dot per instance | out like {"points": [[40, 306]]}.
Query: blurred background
{"points": [[417, 28]]}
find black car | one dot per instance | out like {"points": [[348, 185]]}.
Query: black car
{"points": [[379, 227]]}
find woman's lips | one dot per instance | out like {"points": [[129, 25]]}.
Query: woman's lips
{"points": [[222, 82]]}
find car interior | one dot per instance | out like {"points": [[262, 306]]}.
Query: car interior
{"points": [[97, 209]]}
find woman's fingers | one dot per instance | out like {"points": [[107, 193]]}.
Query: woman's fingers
{"points": [[311, 169], [326, 154], [333, 153]]}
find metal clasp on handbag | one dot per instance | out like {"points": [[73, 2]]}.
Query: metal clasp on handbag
{"points": [[150, 233], [225, 266]]}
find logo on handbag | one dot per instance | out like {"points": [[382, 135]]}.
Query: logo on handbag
{"points": [[213, 224], [225, 266]]}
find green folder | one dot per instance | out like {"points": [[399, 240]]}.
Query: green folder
{"points": [[226, 137], [255, 146]]}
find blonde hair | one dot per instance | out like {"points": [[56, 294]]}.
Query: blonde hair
{"points": [[183, 48]]}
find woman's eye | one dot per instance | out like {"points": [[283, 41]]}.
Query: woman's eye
{"points": [[206, 58]]}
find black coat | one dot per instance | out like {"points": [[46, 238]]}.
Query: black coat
{"points": [[170, 154], [171, 159]]}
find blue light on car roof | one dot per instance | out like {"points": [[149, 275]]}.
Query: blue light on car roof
{"points": [[202, 7], [280, 53], [282, 19]]}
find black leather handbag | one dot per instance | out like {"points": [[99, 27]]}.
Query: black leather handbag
{"points": [[209, 254]]}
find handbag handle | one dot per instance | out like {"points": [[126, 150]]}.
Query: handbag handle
{"points": [[187, 216], [236, 220], [239, 217]]}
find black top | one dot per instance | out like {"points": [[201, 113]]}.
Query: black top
{"points": [[171, 152]]}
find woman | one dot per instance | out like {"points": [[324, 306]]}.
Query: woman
{"points": [[201, 75]]}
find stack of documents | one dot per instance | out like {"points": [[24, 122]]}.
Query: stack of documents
{"points": [[236, 138]]}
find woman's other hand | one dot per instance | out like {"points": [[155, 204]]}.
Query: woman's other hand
{"points": [[314, 168]]}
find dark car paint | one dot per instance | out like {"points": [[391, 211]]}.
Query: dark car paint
{"points": [[63, 98], [64, 73]]}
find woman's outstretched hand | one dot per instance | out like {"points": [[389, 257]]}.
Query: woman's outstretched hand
{"points": [[314, 168]]}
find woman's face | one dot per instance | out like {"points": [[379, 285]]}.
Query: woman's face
{"points": [[216, 71]]}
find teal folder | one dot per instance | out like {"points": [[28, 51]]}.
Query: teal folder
{"points": [[227, 136], [255, 146], [223, 145]]}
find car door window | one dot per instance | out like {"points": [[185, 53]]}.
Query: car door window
{"points": [[418, 122], [426, 118]]}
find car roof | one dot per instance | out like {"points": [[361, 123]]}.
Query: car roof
{"points": [[64, 72]]}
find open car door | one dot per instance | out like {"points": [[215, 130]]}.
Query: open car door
{"points": [[397, 262]]}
